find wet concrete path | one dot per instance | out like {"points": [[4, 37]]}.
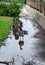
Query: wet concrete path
{"points": [[33, 48]]}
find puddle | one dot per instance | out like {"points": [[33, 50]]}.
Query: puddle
{"points": [[29, 49]]}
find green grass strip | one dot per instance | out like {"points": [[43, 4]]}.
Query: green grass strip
{"points": [[5, 26]]}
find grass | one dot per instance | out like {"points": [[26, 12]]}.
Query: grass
{"points": [[5, 26]]}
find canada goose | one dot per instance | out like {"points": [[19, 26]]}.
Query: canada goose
{"points": [[21, 33], [21, 43]]}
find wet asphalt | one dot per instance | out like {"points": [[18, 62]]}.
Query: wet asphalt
{"points": [[33, 47]]}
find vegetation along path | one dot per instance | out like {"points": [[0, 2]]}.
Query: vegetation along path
{"points": [[5, 26]]}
